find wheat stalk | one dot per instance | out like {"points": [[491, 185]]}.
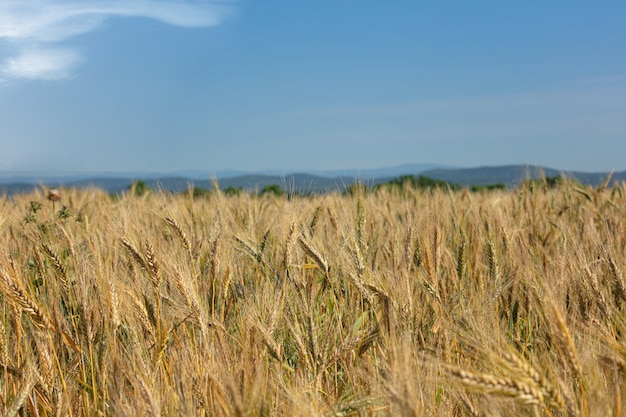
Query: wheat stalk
{"points": [[360, 226], [291, 239], [28, 383], [142, 313], [215, 258], [114, 303], [191, 300], [20, 300], [148, 397], [567, 344], [46, 362]]}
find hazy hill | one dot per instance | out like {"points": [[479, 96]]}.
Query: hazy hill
{"points": [[311, 182], [304, 183], [512, 175], [7, 177]]}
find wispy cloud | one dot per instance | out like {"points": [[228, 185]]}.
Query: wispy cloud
{"points": [[45, 64], [34, 31]]}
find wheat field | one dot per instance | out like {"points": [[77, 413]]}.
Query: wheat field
{"points": [[404, 302]]}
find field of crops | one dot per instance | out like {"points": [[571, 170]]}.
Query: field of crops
{"points": [[402, 302]]}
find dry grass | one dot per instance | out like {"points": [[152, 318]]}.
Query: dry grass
{"points": [[442, 303]]}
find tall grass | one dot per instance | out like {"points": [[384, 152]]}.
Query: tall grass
{"points": [[411, 303]]}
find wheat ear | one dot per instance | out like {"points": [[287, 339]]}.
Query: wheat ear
{"points": [[546, 387], [133, 252], [314, 254], [501, 386], [20, 300], [178, 230], [56, 262]]}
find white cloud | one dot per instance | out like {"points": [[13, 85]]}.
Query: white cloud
{"points": [[32, 28], [46, 64]]}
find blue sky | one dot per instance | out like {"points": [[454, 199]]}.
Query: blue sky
{"points": [[166, 85]]}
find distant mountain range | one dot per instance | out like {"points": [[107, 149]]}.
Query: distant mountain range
{"points": [[310, 182], [67, 177]]}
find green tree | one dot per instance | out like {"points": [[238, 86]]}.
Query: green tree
{"points": [[200, 192], [420, 181], [488, 187], [272, 189], [233, 191], [138, 188]]}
